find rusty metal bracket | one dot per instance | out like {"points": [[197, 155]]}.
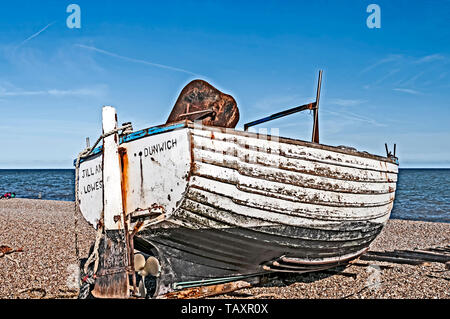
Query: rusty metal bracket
{"points": [[154, 213], [389, 153], [204, 114], [206, 291]]}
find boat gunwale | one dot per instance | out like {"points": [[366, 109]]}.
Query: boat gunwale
{"points": [[288, 140], [160, 129], [295, 170]]}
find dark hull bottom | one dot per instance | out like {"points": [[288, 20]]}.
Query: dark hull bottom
{"points": [[188, 255]]}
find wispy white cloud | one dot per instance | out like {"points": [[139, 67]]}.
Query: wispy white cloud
{"points": [[405, 60], [388, 59], [389, 74], [412, 79], [274, 103], [92, 91], [355, 117], [346, 102], [409, 91], [168, 67], [35, 34], [430, 58], [400, 71]]}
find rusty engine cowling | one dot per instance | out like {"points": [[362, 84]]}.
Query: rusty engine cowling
{"points": [[199, 100]]}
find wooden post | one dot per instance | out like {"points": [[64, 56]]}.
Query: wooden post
{"points": [[112, 196], [112, 276]]}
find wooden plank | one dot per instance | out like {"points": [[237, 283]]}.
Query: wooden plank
{"points": [[423, 255], [90, 189], [420, 255], [112, 281], [112, 191], [392, 259], [439, 250], [112, 277]]}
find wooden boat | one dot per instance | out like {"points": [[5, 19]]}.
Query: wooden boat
{"points": [[215, 204]]}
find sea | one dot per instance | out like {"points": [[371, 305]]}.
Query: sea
{"points": [[422, 194]]}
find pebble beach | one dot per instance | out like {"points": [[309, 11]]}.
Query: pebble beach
{"points": [[43, 267]]}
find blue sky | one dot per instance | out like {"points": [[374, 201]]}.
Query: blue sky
{"points": [[390, 84]]}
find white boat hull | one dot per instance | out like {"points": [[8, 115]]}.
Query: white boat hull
{"points": [[214, 203]]}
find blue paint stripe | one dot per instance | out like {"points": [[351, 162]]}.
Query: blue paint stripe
{"points": [[149, 131], [137, 135]]}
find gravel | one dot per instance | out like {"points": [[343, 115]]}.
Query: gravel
{"points": [[45, 231], [46, 267]]}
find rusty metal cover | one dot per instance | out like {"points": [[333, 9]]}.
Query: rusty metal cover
{"points": [[199, 99]]}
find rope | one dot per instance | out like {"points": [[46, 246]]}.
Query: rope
{"points": [[94, 255]]}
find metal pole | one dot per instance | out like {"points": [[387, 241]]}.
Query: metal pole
{"points": [[315, 134], [293, 110]]}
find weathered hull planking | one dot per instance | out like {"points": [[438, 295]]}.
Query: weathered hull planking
{"points": [[212, 203]]}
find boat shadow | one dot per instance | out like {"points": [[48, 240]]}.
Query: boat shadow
{"points": [[287, 279]]}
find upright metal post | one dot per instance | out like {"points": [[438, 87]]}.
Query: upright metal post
{"points": [[315, 134]]}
